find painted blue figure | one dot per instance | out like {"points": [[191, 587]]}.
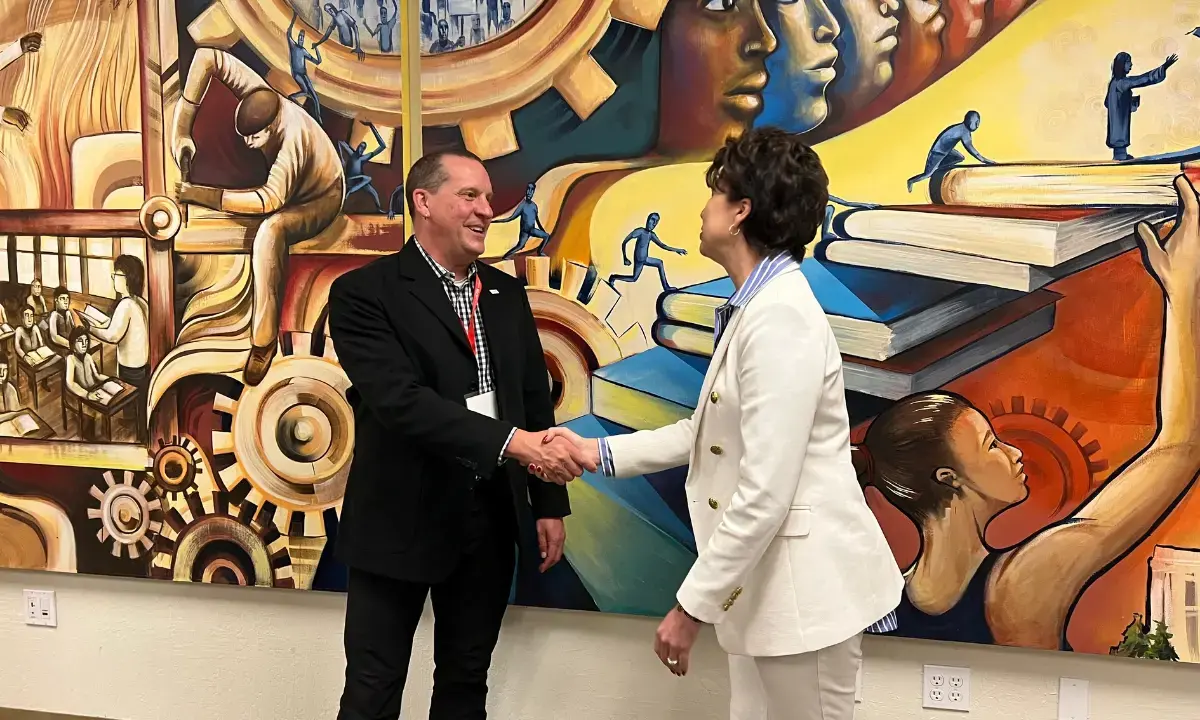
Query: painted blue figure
{"points": [[531, 224], [428, 20], [443, 43], [354, 159], [493, 15], [943, 156], [830, 212], [506, 21], [387, 26], [397, 194], [641, 254], [1121, 102], [361, 7], [347, 28], [476, 31], [298, 59]]}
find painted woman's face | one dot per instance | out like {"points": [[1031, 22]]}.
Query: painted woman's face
{"points": [[713, 72], [808, 29], [870, 29], [990, 468]]}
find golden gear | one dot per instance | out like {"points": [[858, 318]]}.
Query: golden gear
{"points": [[179, 466], [206, 540], [129, 515], [477, 88], [291, 439], [577, 337]]}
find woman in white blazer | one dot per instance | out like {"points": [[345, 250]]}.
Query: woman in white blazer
{"points": [[792, 566]]}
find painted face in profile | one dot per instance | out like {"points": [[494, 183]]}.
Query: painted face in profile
{"points": [[807, 30], [713, 72], [870, 31]]}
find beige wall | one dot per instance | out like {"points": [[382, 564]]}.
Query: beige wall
{"points": [[141, 650]]}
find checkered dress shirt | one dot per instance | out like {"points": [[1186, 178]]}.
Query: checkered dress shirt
{"points": [[460, 292]]}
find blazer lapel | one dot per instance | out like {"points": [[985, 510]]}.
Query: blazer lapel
{"points": [[427, 287], [718, 359]]}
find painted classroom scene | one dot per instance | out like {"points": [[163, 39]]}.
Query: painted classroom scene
{"points": [[172, 403]]}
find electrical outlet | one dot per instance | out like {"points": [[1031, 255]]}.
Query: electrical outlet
{"points": [[40, 608], [1072, 699], [947, 688]]}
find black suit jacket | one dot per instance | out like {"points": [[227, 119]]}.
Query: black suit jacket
{"points": [[417, 446]]}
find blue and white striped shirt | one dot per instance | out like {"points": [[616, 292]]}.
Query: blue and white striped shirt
{"points": [[763, 273]]}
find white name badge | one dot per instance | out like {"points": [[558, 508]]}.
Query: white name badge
{"points": [[483, 403]]}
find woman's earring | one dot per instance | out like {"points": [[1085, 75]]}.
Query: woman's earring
{"points": [[735, 229]]}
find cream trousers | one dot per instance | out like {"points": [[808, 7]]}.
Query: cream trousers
{"points": [[812, 686]]}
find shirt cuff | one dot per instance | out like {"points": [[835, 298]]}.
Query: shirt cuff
{"points": [[504, 447], [607, 468]]}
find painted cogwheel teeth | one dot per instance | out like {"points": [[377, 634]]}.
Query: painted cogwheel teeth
{"points": [[290, 440], [208, 540], [1052, 444], [477, 90], [178, 467], [130, 515], [577, 336]]}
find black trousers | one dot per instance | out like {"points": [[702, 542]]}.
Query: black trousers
{"points": [[382, 615]]}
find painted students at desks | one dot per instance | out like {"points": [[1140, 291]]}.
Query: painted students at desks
{"points": [[83, 378], [29, 336], [62, 320], [37, 303], [8, 393]]}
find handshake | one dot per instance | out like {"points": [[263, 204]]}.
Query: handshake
{"points": [[556, 455]]}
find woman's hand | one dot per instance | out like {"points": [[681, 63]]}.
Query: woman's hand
{"points": [[589, 447], [1175, 260]]}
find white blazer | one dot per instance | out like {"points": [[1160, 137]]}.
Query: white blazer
{"points": [[791, 559]]}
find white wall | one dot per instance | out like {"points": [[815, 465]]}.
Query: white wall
{"points": [[143, 650]]}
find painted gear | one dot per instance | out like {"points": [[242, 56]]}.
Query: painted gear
{"points": [[179, 467], [129, 515], [476, 89], [206, 539], [577, 337], [291, 439]]}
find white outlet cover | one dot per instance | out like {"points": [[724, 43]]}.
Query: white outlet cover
{"points": [[1072, 699], [41, 608], [946, 688]]}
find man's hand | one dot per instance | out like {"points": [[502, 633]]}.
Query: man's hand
{"points": [[589, 448], [557, 462], [16, 117], [626, 261], [551, 536], [209, 197], [674, 639], [31, 42], [183, 149]]}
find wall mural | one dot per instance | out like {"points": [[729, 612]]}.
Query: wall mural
{"points": [[181, 182]]}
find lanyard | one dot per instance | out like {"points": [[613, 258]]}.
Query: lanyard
{"points": [[469, 327]]}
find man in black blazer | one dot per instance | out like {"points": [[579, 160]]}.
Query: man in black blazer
{"points": [[451, 399]]}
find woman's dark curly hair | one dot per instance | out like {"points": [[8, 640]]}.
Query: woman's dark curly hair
{"points": [[782, 178]]}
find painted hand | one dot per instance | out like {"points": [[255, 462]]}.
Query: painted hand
{"points": [[552, 534], [208, 197], [31, 42], [674, 639], [16, 117], [183, 149], [1175, 260]]}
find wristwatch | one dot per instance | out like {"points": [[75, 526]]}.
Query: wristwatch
{"points": [[690, 616]]}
